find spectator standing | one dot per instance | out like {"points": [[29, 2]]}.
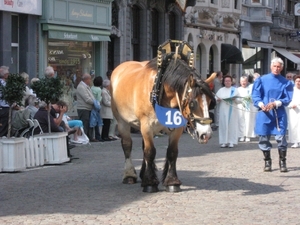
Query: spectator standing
{"points": [[105, 111], [246, 125], [49, 72], [113, 122], [217, 85], [96, 90], [31, 82], [290, 77], [227, 99], [294, 115], [85, 103], [272, 93], [4, 107], [27, 91]]}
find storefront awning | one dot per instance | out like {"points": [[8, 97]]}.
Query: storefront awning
{"points": [[231, 54], [251, 61], [75, 34], [285, 53], [256, 44]]}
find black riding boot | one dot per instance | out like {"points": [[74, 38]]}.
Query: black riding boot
{"points": [[282, 161], [268, 161]]}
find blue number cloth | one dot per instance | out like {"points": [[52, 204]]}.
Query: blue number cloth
{"points": [[169, 117]]}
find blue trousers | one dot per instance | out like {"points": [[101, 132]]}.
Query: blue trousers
{"points": [[264, 143]]}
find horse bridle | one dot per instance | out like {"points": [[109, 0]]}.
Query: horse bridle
{"points": [[192, 103]]}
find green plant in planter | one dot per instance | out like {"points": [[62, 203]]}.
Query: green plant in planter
{"points": [[13, 93], [48, 90]]}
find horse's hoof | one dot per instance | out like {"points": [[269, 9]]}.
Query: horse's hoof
{"points": [[173, 188], [129, 180], [150, 189]]}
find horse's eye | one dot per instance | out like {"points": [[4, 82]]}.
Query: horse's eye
{"points": [[192, 105]]}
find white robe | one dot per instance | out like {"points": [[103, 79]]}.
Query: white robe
{"points": [[228, 116], [294, 118], [246, 113]]}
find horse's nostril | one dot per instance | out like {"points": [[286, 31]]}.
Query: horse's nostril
{"points": [[203, 136]]}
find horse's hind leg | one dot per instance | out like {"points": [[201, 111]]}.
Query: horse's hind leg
{"points": [[170, 179], [129, 176]]}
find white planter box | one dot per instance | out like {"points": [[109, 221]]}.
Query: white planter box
{"points": [[34, 152], [55, 151], [13, 154]]}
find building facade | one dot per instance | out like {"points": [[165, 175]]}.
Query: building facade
{"points": [[140, 26], [72, 38], [18, 35], [212, 28], [269, 29]]}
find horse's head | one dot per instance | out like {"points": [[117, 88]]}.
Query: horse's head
{"points": [[196, 99]]}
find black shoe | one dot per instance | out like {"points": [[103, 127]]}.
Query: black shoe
{"points": [[100, 140], [107, 139]]}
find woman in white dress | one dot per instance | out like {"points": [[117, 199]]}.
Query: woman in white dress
{"points": [[227, 98], [294, 115], [246, 114]]}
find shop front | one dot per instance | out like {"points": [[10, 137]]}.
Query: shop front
{"points": [[73, 40]]}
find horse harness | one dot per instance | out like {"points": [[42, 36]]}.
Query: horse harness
{"points": [[164, 56]]}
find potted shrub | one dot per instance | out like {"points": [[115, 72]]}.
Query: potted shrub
{"points": [[13, 149], [50, 90]]}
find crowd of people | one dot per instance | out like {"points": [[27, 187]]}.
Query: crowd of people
{"points": [[95, 119], [261, 106]]}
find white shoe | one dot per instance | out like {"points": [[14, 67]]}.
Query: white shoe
{"points": [[242, 139], [76, 142], [296, 145], [247, 139], [223, 146], [230, 145]]}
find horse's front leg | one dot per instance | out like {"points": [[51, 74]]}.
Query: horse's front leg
{"points": [[169, 178], [148, 171]]}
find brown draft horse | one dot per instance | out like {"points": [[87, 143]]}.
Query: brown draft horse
{"points": [[171, 82]]}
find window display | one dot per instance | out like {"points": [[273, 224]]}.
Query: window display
{"points": [[71, 59]]}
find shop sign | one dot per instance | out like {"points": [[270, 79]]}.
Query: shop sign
{"points": [[56, 52], [33, 7], [73, 36], [81, 13]]}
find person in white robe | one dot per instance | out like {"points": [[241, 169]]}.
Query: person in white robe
{"points": [[246, 111], [294, 115], [227, 98]]}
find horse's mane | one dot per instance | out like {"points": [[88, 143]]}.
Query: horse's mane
{"points": [[176, 73]]}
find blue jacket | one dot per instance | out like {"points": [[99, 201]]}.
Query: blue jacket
{"points": [[95, 118], [269, 88]]}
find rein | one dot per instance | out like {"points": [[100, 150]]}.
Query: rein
{"points": [[249, 111]]}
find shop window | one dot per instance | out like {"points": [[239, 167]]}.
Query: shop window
{"points": [[70, 60]]}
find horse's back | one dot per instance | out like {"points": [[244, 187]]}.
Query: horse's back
{"points": [[132, 83]]}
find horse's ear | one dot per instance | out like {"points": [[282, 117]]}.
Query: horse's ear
{"points": [[211, 78]]}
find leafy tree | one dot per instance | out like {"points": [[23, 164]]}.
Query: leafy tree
{"points": [[48, 90], [13, 93]]}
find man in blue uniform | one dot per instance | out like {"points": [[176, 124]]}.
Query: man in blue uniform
{"points": [[271, 93]]}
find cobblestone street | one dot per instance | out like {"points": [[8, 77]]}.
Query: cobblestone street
{"points": [[219, 186]]}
